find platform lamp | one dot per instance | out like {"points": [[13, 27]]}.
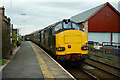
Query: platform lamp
{"points": [[18, 33], [23, 31]]}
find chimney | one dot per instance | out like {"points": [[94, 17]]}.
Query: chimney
{"points": [[2, 10]]}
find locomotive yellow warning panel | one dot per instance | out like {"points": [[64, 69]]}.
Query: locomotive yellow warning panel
{"points": [[73, 38]]}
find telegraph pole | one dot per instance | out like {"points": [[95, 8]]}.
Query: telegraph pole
{"points": [[18, 30]]}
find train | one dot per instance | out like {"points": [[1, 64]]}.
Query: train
{"points": [[65, 40]]}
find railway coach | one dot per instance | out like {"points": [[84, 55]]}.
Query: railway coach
{"points": [[65, 40]]}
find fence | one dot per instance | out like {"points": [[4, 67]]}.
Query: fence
{"points": [[107, 48]]}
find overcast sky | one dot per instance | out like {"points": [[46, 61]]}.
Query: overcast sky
{"points": [[41, 13]]}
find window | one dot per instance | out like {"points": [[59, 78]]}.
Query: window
{"points": [[75, 26], [67, 25], [58, 27], [42, 35]]}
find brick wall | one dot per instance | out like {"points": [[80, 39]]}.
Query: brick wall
{"points": [[0, 34], [6, 47]]}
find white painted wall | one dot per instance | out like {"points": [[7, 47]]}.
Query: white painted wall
{"points": [[99, 36], [116, 37], [103, 37]]}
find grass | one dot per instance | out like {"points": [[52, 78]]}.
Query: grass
{"points": [[2, 62]]}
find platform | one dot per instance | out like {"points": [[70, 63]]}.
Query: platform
{"points": [[33, 62]]}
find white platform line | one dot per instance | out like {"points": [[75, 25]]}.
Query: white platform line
{"points": [[58, 64]]}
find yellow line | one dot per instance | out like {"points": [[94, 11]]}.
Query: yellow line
{"points": [[42, 64]]}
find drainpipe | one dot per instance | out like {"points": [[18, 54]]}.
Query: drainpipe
{"points": [[111, 38]]}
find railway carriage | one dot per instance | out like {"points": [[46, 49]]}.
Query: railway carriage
{"points": [[65, 40]]}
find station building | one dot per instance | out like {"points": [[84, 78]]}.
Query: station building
{"points": [[102, 23]]}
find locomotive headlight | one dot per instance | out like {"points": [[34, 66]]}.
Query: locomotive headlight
{"points": [[84, 48], [61, 48]]}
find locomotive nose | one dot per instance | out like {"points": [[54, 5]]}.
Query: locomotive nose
{"points": [[72, 39], [73, 43]]}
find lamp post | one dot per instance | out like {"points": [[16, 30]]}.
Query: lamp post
{"points": [[23, 30], [17, 31]]}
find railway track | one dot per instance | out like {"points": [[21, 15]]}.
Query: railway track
{"points": [[102, 70], [95, 70], [82, 74], [104, 64], [99, 71], [108, 68]]}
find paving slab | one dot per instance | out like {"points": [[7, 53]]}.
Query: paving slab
{"points": [[54, 68], [23, 65], [32, 63]]}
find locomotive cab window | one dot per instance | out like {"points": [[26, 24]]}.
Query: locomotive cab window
{"points": [[75, 26], [71, 25], [67, 25], [58, 27]]}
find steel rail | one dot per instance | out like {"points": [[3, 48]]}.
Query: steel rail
{"points": [[103, 70], [91, 75], [104, 64]]}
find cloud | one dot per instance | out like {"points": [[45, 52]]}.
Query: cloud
{"points": [[60, 0], [16, 26], [25, 29], [41, 14]]}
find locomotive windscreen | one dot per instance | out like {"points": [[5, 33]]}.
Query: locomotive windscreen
{"points": [[67, 25]]}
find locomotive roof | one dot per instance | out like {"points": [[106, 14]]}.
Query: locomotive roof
{"points": [[36, 31], [50, 26]]}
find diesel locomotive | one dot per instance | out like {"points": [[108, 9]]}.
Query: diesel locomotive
{"points": [[65, 39]]}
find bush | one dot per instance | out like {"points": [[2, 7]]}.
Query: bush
{"points": [[14, 39]]}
